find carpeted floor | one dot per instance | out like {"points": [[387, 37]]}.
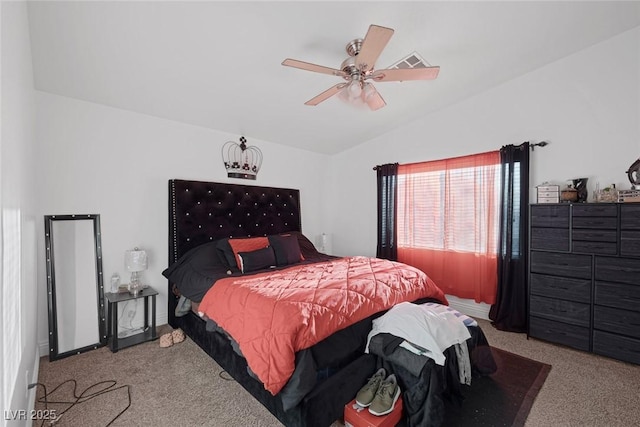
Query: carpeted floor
{"points": [[175, 386], [182, 386]]}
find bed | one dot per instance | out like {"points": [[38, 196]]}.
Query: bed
{"points": [[322, 375]]}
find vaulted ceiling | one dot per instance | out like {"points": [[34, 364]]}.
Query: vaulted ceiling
{"points": [[218, 64]]}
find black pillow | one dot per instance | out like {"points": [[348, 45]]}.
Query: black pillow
{"points": [[196, 271], [226, 252], [257, 260], [286, 249]]}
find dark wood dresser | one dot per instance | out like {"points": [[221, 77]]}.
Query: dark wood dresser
{"points": [[584, 277]]}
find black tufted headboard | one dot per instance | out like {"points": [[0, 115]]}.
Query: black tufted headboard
{"points": [[203, 211], [200, 212]]}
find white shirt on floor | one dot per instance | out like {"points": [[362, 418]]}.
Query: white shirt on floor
{"points": [[422, 326]]}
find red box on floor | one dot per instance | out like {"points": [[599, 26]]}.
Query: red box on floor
{"points": [[364, 418]]}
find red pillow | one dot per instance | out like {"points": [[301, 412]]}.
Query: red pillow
{"points": [[247, 245]]}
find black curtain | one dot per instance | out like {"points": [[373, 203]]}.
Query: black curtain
{"points": [[509, 313], [387, 177]]}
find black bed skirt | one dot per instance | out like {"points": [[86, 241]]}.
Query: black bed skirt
{"points": [[320, 408]]}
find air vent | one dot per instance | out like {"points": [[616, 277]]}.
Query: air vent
{"points": [[413, 60]]}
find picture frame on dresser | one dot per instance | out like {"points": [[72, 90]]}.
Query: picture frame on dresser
{"points": [[584, 277]]}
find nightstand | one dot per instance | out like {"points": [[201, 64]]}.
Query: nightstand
{"points": [[147, 334]]}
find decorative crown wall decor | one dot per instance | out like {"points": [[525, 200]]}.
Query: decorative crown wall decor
{"points": [[240, 160]]}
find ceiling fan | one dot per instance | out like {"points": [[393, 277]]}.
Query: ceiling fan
{"points": [[358, 70]]}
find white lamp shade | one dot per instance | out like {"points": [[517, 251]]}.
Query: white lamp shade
{"points": [[135, 260], [325, 243]]}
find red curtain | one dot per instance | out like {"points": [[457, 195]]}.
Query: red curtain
{"points": [[448, 222]]}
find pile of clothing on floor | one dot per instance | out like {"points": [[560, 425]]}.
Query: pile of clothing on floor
{"points": [[432, 349]]}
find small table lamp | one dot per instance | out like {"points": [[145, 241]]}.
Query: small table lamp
{"points": [[135, 261]]}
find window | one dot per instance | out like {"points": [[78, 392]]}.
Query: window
{"points": [[448, 222]]}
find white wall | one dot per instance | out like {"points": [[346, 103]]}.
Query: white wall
{"points": [[116, 163], [586, 105], [18, 349]]}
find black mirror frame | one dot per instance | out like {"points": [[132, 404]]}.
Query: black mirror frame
{"points": [[51, 286]]}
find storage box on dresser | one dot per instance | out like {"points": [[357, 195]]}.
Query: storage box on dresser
{"points": [[584, 287]]}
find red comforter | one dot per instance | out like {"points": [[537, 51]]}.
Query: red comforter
{"points": [[272, 315]]}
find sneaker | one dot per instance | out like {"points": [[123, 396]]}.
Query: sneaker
{"points": [[368, 392], [386, 397]]}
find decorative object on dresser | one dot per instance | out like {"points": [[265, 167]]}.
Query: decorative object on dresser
{"points": [[584, 280], [580, 184], [606, 195], [633, 173], [629, 196], [569, 195], [632, 195], [548, 193], [135, 262], [240, 160]]}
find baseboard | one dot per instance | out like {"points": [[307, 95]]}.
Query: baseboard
{"points": [[43, 348], [34, 379], [469, 307], [162, 319]]}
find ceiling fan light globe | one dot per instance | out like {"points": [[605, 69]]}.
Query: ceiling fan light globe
{"points": [[368, 91], [358, 102], [354, 89], [345, 96]]}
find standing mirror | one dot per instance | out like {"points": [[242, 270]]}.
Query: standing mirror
{"points": [[73, 252]]}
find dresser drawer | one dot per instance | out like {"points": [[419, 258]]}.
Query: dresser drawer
{"points": [[630, 243], [588, 210], [622, 270], [555, 239], [574, 313], [549, 194], [616, 346], [595, 222], [561, 333], [622, 322], [561, 287], [618, 295], [595, 241], [556, 216], [630, 217], [557, 264], [595, 235], [552, 199], [602, 248]]}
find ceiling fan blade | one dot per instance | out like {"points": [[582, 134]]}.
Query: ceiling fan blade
{"points": [[326, 94], [375, 101], [312, 67], [374, 42], [398, 75]]}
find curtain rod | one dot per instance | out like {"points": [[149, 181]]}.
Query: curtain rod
{"points": [[532, 146], [539, 144], [375, 168]]}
